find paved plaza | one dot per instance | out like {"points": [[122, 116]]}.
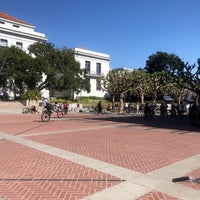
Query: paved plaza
{"points": [[97, 157]]}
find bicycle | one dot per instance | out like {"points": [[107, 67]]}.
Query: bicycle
{"points": [[47, 112], [31, 109]]}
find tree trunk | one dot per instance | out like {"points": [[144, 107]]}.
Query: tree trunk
{"points": [[121, 103], [154, 97], [113, 102], [142, 98]]}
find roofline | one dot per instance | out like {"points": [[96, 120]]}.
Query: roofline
{"points": [[13, 19], [85, 52], [39, 36]]}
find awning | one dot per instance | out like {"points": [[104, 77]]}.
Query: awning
{"points": [[168, 98], [189, 100]]}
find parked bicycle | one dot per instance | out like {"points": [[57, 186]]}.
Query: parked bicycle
{"points": [[31, 109]]}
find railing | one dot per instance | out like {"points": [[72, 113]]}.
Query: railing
{"points": [[93, 74]]}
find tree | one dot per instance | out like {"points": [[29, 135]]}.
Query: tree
{"points": [[159, 82], [162, 61], [62, 71], [166, 71], [189, 77], [174, 73], [44, 60], [118, 83], [43, 67], [141, 83], [14, 64], [71, 76]]}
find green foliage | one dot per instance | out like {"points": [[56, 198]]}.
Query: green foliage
{"points": [[174, 73], [89, 98], [141, 83], [60, 100], [32, 95], [14, 63], [118, 82], [162, 61], [61, 70], [163, 74]]}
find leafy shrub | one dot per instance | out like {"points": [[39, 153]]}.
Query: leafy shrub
{"points": [[32, 94]]}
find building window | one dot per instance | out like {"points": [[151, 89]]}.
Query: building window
{"points": [[19, 45], [98, 85], [16, 26], [3, 42], [98, 68], [87, 66], [2, 22]]}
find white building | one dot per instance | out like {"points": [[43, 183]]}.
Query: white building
{"points": [[96, 65], [15, 32]]}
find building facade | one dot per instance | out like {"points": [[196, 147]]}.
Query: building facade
{"points": [[96, 65], [15, 32]]}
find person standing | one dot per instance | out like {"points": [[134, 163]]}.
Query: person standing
{"points": [[66, 107], [99, 108]]}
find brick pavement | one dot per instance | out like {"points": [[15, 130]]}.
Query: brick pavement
{"points": [[97, 157]]}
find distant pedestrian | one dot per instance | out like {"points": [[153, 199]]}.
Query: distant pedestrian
{"points": [[99, 108], [180, 108], [163, 109], [66, 107], [137, 108], [173, 109]]}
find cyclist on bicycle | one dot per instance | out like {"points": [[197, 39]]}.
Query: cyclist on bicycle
{"points": [[46, 104], [65, 106]]}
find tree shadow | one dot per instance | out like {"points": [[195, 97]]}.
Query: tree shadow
{"points": [[159, 122]]}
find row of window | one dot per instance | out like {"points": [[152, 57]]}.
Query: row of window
{"points": [[88, 65], [4, 43], [14, 25], [98, 72]]}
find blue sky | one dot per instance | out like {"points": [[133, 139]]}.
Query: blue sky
{"points": [[128, 30]]}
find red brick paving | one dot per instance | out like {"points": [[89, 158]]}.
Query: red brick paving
{"points": [[31, 123], [26, 173], [154, 195], [133, 148]]}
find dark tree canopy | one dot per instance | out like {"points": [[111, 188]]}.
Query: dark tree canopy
{"points": [[175, 70], [162, 61], [43, 67]]}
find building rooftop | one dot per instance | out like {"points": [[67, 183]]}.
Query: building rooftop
{"points": [[10, 18]]}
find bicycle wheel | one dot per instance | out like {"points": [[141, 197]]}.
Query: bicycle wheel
{"points": [[45, 117], [64, 111], [59, 114]]}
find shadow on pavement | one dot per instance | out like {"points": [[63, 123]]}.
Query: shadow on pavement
{"points": [[164, 122]]}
